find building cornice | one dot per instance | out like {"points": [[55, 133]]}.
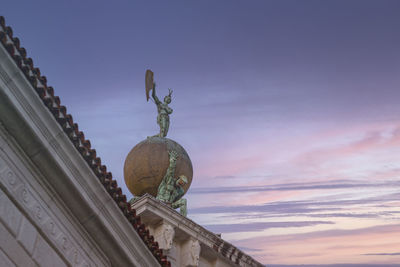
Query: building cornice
{"points": [[152, 210], [41, 126]]}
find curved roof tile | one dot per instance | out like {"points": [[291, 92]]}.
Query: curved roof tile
{"points": [[53, 103]]}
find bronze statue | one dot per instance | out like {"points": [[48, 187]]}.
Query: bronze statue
{"points": [[171, 189], [162, 107]]}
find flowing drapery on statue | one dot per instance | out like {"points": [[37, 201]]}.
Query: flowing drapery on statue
{"points": [[162, 107]]}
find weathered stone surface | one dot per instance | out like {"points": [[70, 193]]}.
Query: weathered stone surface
{"points": [[5, 261], [44, 255], [13, 252], [27, 236], [147, 162], [45, 181], [10, 216], [192, 245], [190, 253], [164, 234]]}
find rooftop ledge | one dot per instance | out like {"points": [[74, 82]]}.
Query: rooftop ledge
{"points": [[185, 242]]}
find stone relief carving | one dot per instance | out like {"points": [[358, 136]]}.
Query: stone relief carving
{"points": [[164, 235], [36, 210], [9, 214], [168, 235], [195, 252], [191, 253]]}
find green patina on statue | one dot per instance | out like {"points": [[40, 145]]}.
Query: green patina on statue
{"points": [[171, 189], [163, 112], [162, 107]]}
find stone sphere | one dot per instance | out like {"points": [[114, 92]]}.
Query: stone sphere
{"points": [[147, 163]]}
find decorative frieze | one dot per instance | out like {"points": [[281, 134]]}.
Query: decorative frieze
{"points": [[37, 212]]}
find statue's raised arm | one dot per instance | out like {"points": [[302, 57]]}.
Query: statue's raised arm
{"points": [[162, 107], [171, 188], [153, 94]]}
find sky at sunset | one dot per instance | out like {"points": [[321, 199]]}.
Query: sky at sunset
{"points": [[289, 110]]}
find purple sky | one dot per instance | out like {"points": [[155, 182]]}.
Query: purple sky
{"points": [[289, 110]]}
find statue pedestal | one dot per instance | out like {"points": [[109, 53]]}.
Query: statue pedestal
{"points": [[185, 242]]}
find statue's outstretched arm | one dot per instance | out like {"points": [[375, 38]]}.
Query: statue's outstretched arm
{"points": [[153, 94], [173, 156]]}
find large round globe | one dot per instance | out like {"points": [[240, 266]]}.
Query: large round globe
{"points": [[147, 163]]}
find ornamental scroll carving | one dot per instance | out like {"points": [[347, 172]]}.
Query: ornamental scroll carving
{"points": [[36, 209]]}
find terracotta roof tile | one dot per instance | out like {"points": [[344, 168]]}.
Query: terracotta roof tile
{"points": [[53, 103]]}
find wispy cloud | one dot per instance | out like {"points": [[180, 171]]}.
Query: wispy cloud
{"points": [[382, 254], [370, 141], [346, 215], [350, 244], [292, 187], [312, 98], [297, 207], [259, 226]]}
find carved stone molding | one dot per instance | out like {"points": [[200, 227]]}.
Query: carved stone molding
{"points": [[192, 244], [65, 181], [164, 234], [39, 214]]}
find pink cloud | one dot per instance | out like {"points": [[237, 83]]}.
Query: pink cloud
{"points": [[333, 246], [300, 155]]}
